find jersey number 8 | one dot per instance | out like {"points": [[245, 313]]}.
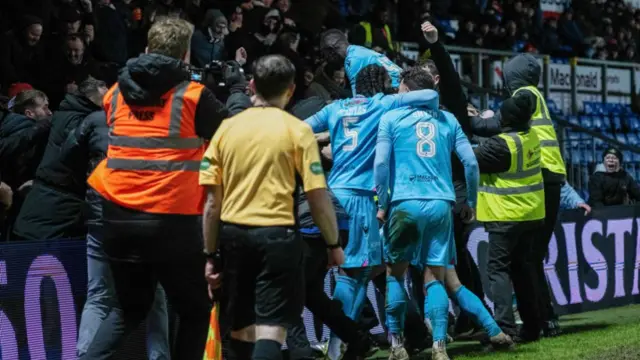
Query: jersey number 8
{"points": [[350, 134], [426, 147]]}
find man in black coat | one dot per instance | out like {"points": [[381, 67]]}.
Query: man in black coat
{"points": [[54, 206]]}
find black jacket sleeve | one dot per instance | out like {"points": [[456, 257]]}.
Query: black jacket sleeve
{"points": [[596, 195], [17, 143], [493, 156], [633, 188], [451, 92], [486, 127], [209, 114]]}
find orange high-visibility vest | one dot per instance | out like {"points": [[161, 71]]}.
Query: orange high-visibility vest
{"points": [[154, 153]]}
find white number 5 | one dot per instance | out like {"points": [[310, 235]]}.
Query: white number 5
{"points": [[350, 134], [426, 147]]}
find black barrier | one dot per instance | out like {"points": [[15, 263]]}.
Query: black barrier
{"points": [[593, 263]]}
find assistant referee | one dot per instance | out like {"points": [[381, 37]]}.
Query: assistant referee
{"points": [[250, 171]]}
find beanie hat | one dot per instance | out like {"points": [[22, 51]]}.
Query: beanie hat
{"points": [[17, 88], [516, 110], [613, 151]]}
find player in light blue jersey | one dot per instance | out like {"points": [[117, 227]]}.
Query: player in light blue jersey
{"points": [[336, 49], [353, 127], [413, 161]]}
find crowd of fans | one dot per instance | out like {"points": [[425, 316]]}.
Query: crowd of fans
{"points": [[50, 47]]}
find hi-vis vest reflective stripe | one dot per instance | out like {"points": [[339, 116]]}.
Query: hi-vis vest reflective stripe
{"points": [[368, 40], [518, 194], [154, 153], [542, 125]]}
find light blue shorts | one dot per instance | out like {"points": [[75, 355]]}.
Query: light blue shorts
{"points": [[420, 232], [364, 247]]}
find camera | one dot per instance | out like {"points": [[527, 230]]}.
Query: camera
{"points": [[212, 74]]}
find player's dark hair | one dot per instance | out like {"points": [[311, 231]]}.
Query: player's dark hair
{"points": [[373, 79], [272, 76], [417, 78], [431, 66], [333, 46]]}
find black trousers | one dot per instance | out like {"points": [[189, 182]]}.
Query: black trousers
{"points": [[541, 248], [467, 270], [510, 260], [318, 302]]}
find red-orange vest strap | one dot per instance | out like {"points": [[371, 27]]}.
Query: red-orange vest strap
{"points": [[154, 153]]}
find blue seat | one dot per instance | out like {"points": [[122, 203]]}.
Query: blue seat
{"points": [[632, 139], [599, 144], [633, 123], [617, 123], [588, 121], [635, 157], [621, 138], [589, 156], [588, 107], [600, 124], [574, 139], [572, 119], [630, 168]]}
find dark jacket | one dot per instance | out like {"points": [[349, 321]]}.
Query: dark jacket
{"points": [[142, 82], [522, 70], [85, 147], [494, 155], [54, 206], [305, 220], [610, 189], [22, 144]]}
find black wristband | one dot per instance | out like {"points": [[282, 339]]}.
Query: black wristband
{"points": [[210, 255], [334, 246]]}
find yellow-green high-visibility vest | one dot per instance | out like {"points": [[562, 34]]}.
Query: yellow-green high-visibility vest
{"points": [[543, 127], [517, 194], [368, 39]]}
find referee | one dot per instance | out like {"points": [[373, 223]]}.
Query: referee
{"points": [[250, 171]]}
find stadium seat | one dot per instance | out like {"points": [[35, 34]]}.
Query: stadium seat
{"points": [[633, 123], [617, 123], [599, 144], [588, 107], [635, 157], [633, 139], [600, 124], [621, 138], [574, 139], [589, 156], [577, 157], [589, 121]]}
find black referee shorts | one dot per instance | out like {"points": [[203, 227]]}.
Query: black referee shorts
{"points": [[263, 275]]}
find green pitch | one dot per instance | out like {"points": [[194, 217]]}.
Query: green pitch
{"points": [[612, 334]]}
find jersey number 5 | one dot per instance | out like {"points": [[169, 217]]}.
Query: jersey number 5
{"points": [[426, 147], [350, 134]]}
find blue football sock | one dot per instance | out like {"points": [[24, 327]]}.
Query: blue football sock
{"points": [[345, 291], [473, 306], [437, 309], [362, 284], [396, 305]]}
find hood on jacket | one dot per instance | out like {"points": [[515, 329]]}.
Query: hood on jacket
{"points": [[515, 113], [146, 78], [522, 70], [78, 103]]}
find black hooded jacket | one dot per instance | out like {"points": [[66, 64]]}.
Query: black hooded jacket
{"points": [[22, 144], [147, 78], [54, 206], [612, 188], [523, 70]]}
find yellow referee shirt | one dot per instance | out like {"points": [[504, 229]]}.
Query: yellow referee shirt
{"points": [[256, 156]]}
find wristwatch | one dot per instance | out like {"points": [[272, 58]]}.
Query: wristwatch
{"points": [[334, 246]]}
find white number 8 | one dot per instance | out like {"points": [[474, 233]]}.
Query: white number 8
{"points": [[426, 131], [350, 134]]}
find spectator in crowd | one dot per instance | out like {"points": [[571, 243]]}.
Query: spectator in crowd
{"points": [[22, 53], [73, 67], [208, 41], [131, 12], [111, 34], [329, 83], [54, 207], [570, 31], [611, 185], [6, 199], [23, 136], [375, 33], [550, 43]]}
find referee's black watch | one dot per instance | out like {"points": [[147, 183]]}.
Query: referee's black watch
{"points": [[334, 246], [210, 255]]}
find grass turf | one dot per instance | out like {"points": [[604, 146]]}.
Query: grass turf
{"points": [[607, 334]]}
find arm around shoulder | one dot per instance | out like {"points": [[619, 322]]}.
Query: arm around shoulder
{"points": [[209, 114]]}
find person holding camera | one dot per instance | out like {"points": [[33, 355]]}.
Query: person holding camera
{"points": [[159, 125]]}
